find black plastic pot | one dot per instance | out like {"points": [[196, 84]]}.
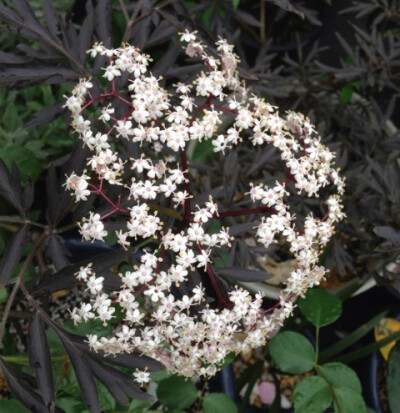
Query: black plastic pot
{"points": [[225, 379], [356, 311], [227, 386], [375, 361]]}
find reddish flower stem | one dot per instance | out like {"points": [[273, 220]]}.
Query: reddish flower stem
{"points": [[93, 100], [200, 110], [119, 97], [275, 306], [116, 208], [224, 109], [222, 300]]}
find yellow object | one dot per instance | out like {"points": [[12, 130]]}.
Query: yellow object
{"points": [[385, 327]]}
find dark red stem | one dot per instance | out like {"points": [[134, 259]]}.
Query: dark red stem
{"points": [[222, 300]]}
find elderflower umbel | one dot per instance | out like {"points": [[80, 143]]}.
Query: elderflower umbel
{"points": [[183, 328]]}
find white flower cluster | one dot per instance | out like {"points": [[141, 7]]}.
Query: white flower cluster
{"points": [[184, 331]]}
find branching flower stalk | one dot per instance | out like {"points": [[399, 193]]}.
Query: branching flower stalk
{"points": [[189, 331]]}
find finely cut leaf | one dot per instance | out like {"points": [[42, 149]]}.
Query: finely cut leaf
{"points": [[11, 193], [21, 389], [12, 254], [40, 360]]}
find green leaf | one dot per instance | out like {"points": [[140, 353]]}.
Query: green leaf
{"points": [[393, 378], [70, 404], [137, 406], [3, 295], [320, 307], [215, 225], [312, 395], [176, 392], [349, 401], [204, 150], [12, 406], [346, 93], [228, 359], [189, 4], [105, 397], [292, 352], [158, 376], [91, 327], [205, 17], [352, 338], [235, 3], [57, 349], [25, 160], [218, 403], [339, 375], [11, 120]]}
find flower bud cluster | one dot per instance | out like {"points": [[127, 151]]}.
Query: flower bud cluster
{"points": [[183, 328]]}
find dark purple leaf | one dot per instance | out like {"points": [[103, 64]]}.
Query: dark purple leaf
{"points": [[12, 59], [103, 21], [28, 194], [247, 18], [21, 389], [241, 274], [25, 11], [12, 255], [40, 360], [84, 376], [132, 361], [52, 20], [42, 55], [52, 189], [388, 233], [141, 31], [85, 35], [8, 191], [239, 229], [45, 115], [288, 5], [32, 74], [167, 61], [87, 363], [119, 384], [57, 252], [161, 33], [77, 160], [65, 279], [16, 179]]}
